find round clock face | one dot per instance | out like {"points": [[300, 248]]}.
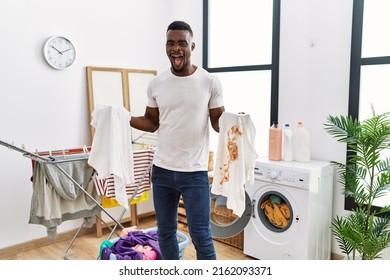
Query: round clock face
{"points": [[59, 52]]}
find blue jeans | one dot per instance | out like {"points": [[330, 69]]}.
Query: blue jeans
{"points": [[195, 190]]}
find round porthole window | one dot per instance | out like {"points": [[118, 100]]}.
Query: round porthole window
{"points": [[275, 211]]}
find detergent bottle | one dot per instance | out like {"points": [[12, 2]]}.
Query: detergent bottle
{"points": [[275, 142], [301, 143], [287, 143]]}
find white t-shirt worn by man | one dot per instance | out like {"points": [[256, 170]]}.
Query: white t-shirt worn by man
{"points": [[184, 104]]}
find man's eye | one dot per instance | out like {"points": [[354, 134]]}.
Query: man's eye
{"points": [[183, 44]]}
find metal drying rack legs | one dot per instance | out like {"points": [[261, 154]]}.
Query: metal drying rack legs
{"points": [[54, 161]]}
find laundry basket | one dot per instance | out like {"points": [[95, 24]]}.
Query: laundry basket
{"points": [[181, 237]]}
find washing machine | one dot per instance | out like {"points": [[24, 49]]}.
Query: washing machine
{"points": [[288, 212]]}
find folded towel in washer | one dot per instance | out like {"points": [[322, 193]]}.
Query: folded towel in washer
{"points": [[277, 214]]}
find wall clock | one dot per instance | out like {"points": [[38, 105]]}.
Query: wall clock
{"points": [[59, 52]]}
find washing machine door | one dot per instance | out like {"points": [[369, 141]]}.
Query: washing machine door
{"points": [[224, 223]]}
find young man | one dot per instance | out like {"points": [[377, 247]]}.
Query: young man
{"points": [[180, 103]]}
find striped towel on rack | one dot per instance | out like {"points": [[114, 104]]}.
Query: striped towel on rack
{"points": [[142, 176]]}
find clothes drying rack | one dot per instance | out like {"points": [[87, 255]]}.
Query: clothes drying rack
{"points": [[38, 157]]}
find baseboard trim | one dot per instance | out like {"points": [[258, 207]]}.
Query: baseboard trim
{"points": [[44, 241]]}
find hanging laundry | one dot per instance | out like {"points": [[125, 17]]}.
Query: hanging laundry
{"points": [[142, 179], [111, 152], [235, 160], [56, 198]]}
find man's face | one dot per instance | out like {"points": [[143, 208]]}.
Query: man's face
{"points": [[179, 46]]}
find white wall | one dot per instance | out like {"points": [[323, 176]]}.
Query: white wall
{"points": [[47, 109], [314, 75]]}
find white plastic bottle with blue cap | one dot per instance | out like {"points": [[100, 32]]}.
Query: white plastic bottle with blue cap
{"points": [[287, 143], [301, 143]]}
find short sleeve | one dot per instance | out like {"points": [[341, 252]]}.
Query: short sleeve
{"points": [[216, 99], [151, 100]]}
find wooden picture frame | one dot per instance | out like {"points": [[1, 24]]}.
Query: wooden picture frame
{"points": [[119, 86]]}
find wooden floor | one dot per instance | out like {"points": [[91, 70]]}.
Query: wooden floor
{"points": [[86, 247]]}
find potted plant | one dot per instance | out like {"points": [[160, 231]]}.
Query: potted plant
{"points": [[365, 231]]}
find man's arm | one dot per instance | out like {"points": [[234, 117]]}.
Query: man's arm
{"points": [[214, 117], [148, 122]]}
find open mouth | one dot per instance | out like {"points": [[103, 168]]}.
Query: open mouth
{"points": [[177, 59]]}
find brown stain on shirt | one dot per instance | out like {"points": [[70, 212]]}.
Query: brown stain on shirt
{"points": [[233, 152]]}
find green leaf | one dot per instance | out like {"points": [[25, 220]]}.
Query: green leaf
{"points": [[365, 177]]}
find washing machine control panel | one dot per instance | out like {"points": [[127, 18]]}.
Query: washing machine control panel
{"points": [[289, 177]]}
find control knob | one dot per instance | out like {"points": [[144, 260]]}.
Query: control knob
{"points": [[273, 175]]}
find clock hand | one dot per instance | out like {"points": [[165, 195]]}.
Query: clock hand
{"points": [[56, 49], [65, 51]]}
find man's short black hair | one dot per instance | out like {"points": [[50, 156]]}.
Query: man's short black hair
{"points": [[180, 25]]}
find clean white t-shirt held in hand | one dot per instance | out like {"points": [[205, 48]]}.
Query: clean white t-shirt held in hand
{"points": [[111, 151]]}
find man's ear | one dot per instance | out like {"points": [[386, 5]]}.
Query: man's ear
{"points": [[192, 46]]}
